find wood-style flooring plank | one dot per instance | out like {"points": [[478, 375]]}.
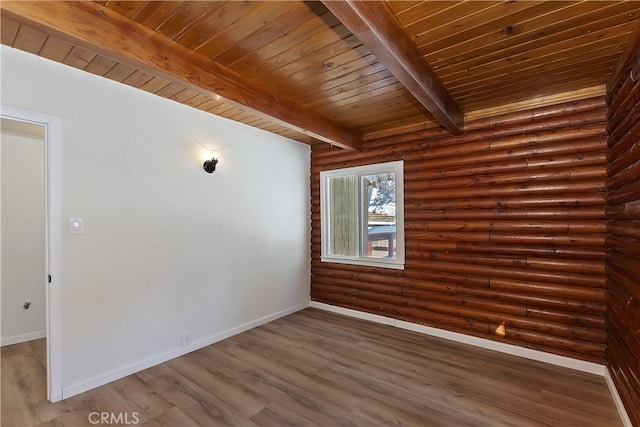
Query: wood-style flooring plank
{"points": [[315, 368]]}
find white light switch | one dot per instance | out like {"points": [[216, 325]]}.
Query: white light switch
{"points": [[76, 226]]}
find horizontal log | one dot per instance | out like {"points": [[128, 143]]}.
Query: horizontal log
{"points": [[503, 214], [434, 255], [626, 312], [478, 303], [590, 266], [578, 142], [582, 153], [343, 284], [581, 159], [630, 229], [578, 347], [628, 264], [627, 123], [356, 162], [627, 346], [580, 307], [617, 87], [384, 284], [476, 143], [584, 320], [524, 226], [594, 239], [618, 278], [450, 304], [634, 74], [549, 239], [509, 190], [547, 289], [541, 152], [626, 176], [622, 106], [330, 157], [539, 129], [538, 114], [495, 272], [364, 295], [497, 125], [573, 163], [619, 164], [522, 177], [523, 202], [407, 313], [595, 253], [627, 193], [508, 320], [446, 277], [620, 146], [624, 245], [510, 260], [430, 245], [431, 286], [354, 272], [621, 211]]}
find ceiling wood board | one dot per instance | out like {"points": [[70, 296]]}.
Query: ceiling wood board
{"points": [[557, 26], [488, 55], [377, 27], [109, 33]]}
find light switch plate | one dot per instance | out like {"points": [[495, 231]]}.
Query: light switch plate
{"points": [[76, 226]]}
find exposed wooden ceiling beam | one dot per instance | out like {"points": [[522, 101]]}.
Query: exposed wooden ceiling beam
{"points": [[107, 33], [375, 25]]}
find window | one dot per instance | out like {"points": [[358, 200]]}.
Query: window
{"points": [[362, 215]]}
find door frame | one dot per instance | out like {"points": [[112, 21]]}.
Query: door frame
{"points": [[53, 178]]}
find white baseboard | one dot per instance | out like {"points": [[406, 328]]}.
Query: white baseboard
{"points": [[541, 356], [16, 339], [626, 421], [99, 380], [566, 362]]}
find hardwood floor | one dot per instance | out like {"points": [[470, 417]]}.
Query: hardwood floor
{"points": [[315, 368]]}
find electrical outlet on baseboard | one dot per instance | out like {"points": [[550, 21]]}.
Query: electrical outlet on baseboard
{"points": [[186, 339]]}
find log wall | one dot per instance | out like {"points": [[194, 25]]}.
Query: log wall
{"points": [[623, 240], [505, 231]]}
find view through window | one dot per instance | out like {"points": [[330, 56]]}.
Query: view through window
{"points": [[362, 215]]}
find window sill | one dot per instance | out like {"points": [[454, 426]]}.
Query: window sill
{"points": [[396, 265]]}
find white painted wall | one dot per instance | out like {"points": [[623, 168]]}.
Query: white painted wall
{"points": [[167, 248], [23, 238]]}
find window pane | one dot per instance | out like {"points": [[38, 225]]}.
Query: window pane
{"points": [[343, 216], [379, 192]]}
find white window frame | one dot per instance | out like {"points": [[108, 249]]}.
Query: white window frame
{"points": [[397, 168]]}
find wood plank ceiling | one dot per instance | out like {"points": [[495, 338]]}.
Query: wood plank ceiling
{"points": [[337, 72]]}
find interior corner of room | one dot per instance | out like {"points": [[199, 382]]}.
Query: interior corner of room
{"points": [[196, 190]]}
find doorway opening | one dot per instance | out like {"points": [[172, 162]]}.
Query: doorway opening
{"points": [[30, 229]]}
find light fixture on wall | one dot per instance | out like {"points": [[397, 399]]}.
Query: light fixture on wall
{"points": [[210, 165]]}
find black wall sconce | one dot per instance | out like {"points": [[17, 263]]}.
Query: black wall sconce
{"points": [[210, 165]]}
